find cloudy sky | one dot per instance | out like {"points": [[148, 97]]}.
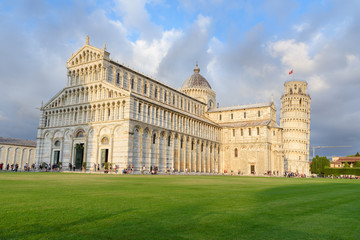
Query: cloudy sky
{"points": [[244, 48]]}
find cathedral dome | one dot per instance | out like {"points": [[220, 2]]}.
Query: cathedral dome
{"points": [[196, 80]]}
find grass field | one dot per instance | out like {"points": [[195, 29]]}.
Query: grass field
{"points": [[89, 206]]}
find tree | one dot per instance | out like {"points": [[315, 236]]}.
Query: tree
{"points": [[346, 164], [107, 165], [84, 165], [356, 155], [357, 164], [318, 164]]}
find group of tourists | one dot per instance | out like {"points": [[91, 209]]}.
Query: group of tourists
{"points": [[292, 174], [128, 170], [8, 167], [15, 167], [273, 173], [28, 168]]}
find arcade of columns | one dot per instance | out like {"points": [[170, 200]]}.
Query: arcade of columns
{"points": [[173, 151], [12, 154]]}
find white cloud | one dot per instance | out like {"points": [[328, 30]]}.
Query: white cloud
{"points": [[301, 27], [135, 16], [317, 83], [293, 55], [203, 22], [3, 117], [147, 55]]}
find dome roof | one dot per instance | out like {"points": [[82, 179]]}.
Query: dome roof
{"points": [[196, 80]]}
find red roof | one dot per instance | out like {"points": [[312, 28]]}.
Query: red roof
{"points": [[348, 159]]}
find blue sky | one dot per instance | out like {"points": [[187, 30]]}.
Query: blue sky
{"points": [[244, 48]]}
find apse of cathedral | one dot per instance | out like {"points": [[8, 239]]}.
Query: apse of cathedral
{"points": [[110, 115]]}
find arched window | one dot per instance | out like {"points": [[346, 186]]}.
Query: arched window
{"points": [[105, 141], [132, 83], [79, 134], [154, 138], [236, 152], [169, 141], [118, 78], [57, 143], [145, 90], [290, 90]]}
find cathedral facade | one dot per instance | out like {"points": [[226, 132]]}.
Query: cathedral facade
{"points": [[109, 113]]}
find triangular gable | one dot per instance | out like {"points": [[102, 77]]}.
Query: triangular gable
{"points": [[53, 99], [87, 51], [120, 91]]}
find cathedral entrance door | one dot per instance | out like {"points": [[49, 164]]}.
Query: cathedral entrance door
{"points": [[56, 157], [252, 169], [104, 157], [79, 155]]}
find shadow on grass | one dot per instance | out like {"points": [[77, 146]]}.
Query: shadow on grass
{"points": [[69, 230]]}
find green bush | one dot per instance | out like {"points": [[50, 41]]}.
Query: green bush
{"points": [[356, 164], [342, 171], [318, 164], [107, 164]]}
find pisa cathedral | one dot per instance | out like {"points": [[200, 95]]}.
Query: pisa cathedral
{"points": [[110, 113]]}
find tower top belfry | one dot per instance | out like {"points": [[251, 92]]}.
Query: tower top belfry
{"points": [[295, 87]]}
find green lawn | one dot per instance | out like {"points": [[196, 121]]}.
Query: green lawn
{"points": [[89, 206]]}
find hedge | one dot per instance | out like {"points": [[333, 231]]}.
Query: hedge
{"points": [[341, 171]]}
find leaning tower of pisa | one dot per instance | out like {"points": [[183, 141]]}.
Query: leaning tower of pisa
{"points": [[295, 121]]}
